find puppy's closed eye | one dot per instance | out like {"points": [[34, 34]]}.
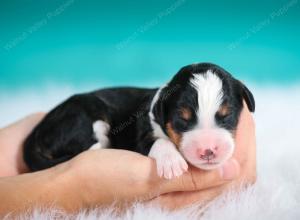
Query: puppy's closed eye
{"points": [[223, 111], [185, 113], [183, 119]]}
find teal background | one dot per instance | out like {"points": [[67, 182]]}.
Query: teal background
{"points": [[84, 42]]}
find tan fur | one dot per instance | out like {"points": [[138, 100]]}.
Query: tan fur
{"points": [[173, 135], [186, 113], [223, 110]]}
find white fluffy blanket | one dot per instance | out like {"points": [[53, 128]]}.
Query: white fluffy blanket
{"points": [[276, 195]]}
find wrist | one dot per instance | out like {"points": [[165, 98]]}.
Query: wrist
{"points": [[63, 188], [47, 188]]}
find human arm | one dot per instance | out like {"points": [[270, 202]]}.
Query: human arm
{"points": [[96, 178]]}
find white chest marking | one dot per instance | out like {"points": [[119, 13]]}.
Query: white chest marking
{"points": [[101, 129]]}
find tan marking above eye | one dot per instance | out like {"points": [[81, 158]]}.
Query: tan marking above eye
{"points": [[173, 135], [185, 113], [224, 110]]}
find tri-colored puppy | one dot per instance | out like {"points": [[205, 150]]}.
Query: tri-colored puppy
{"points": [[191, 119]]}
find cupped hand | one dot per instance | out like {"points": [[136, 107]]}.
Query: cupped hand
{"points": [[127, 176], [114, 176]]}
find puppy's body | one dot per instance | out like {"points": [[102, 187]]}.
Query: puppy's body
{"points": [[192, 118], [70, 128]]}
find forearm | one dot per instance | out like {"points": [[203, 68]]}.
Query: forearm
{"points": [[54, 187], [75, 185]]}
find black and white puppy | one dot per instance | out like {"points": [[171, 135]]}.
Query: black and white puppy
{"points": [[191, 119]]}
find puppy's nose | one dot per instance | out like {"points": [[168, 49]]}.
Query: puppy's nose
{"points": [[208, 152]]}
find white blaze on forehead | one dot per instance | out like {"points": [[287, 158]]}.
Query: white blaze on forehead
{"points": [[210, 94]]}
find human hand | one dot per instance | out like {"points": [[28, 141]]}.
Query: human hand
{"points": [[120, 177], [130, 176]]}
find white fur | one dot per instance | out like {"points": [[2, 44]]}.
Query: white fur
{"points": [[276, 195], [157, 131], [196, 136], [96, 146], [169, 161], [101, 129], [209, 91]]}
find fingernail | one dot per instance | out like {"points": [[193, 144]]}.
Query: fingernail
{"points": [[230, 170]]}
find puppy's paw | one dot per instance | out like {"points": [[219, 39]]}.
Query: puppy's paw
{"points": [[171, 165], [169, 161]]}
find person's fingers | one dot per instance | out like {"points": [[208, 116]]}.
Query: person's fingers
{"points": [[196, 179], [11, 141], [179, 200], [245, 142]]}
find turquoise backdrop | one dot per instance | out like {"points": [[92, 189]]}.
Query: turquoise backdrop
{"points": [[83, 42]]}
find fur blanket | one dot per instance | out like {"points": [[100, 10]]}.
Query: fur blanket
{"points": [[276, 195]]}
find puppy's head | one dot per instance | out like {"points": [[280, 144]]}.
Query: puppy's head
{"points": [[198, 110]]}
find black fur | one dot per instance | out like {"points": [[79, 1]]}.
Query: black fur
{"points": [[67, 130]]}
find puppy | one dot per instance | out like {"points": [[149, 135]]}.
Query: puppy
{"points": [[190, 119]]}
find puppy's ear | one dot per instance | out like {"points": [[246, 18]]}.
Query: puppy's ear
{"points": [[248, 96]]}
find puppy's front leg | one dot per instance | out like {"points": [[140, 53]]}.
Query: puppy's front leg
{"points": [[169, 161]]}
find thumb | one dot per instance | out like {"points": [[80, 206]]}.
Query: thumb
{"points": [[197, 179]]}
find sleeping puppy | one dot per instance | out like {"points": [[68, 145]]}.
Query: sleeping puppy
{"points": [[190, 119]]}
